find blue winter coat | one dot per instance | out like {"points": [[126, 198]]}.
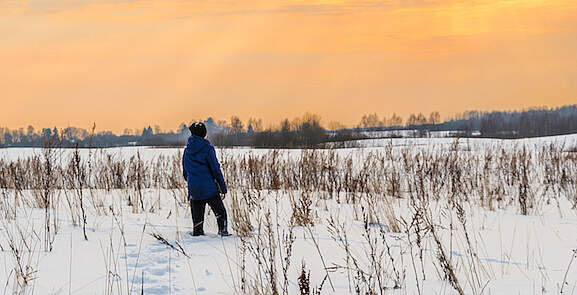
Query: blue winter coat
{"points": [[202, 170]]}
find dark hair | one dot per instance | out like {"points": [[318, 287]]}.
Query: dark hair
{"points": [[198, 129]]}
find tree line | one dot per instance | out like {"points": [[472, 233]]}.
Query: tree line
{"points": [[299, 132], [533, 122], [308, 130]]}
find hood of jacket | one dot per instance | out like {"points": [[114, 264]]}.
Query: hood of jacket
{"points": [[197, 145]]}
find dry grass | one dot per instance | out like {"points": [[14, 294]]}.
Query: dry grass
{"points": [[374, 186]]}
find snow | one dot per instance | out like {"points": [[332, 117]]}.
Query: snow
{"points": [[514, 254]]}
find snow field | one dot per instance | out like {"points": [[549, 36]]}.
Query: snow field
{"points": [[430, 216]]}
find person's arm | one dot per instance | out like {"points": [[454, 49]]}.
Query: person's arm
{"points": [[184, 174], [215, 171]]}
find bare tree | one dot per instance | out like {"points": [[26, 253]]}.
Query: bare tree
{"points": [[371, 120], [435, 118]]}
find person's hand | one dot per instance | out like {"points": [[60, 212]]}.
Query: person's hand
{"points": [[222, 196]]}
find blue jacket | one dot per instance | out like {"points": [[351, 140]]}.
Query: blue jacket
{"points": [[202, 170]]}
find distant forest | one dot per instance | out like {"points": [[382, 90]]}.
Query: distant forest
{"points": [[534, 122], [307, 131]]}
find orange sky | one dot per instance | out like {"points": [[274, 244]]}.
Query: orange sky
{"points": [[130, 63]]}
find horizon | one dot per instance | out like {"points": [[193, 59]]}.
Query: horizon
{"points": [[127, 64], [137, 130]]}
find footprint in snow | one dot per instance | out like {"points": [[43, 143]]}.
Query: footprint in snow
{"points": [[159, 271], [131, 255], [157, 290], [147, 280], [158, 249]]}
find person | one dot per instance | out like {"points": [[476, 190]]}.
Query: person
{"points": [[206, 183]]}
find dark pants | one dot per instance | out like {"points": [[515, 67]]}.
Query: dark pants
{"points": [[197, 209]]}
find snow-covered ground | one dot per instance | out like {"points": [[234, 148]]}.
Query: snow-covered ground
{"points": [[422, 238]]}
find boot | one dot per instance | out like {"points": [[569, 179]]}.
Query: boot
{"points": [[197, 233], [222, 225], [224, 233], [198, 230]]}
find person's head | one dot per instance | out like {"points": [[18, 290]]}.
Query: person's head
{"points": [[198, 129]]}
